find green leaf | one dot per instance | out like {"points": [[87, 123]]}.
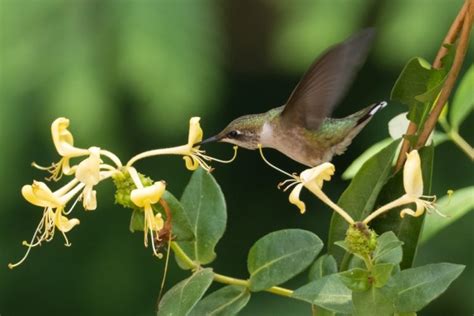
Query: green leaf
{"points": [[463, 101], [324, 265], [419, 85], [181, 227], [182, 297], [356, 279], [226, 301], [417, 287], [360, 196], [279, 256], [412, 82], [407, 229], [389, 249], [137, 221], [355, 166], [454, 207], [180, 222], [328, 292], [374, 302], [381, 273], [205, 207]]}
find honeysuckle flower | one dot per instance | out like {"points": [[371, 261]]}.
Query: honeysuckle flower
{"points": [[312, 179], [145, 197], [192, 155], [53, 217], [88, 172], [63, 139], [64, 143], [413, 185]]}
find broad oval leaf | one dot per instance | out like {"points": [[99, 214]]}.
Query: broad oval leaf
{"points": [[374, 302], [360, 196], [381, 273], [226, 301], [279, 256], [204, 204], [182, 297], [417, 287], [324, 265], [356, 279], [463, 101], [454, 207], [328, 292], [389, 249]]}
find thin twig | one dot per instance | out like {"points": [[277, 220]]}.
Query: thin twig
{"points": [[450, 38], [448, 86]]}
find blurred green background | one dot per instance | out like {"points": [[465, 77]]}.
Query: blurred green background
{"points": [[130, 74]]}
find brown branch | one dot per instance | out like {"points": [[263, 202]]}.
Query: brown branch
{"points": [[448, 86], [450, 38]]}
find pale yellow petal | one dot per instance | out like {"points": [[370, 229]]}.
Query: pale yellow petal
{"points": [[317, 175], [412, 177], [191, 163], [420, 209], [89, 199], [158, 222], [195, 131], [294, 198], [63, 140], [40, 195], [88, 171], [148, 195], [63, 223]]}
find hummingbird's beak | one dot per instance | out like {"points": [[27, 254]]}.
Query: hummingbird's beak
{"points": [[208, 140]]}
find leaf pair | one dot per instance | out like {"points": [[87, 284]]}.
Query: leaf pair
{"points": [[184, 298]]}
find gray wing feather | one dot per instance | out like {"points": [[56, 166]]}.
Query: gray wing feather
{"points": [[327, 81]]}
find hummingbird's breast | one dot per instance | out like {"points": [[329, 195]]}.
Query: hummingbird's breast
{"points": [[307, 147]]}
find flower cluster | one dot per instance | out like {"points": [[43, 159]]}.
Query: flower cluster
{"points": [[88, 171]]}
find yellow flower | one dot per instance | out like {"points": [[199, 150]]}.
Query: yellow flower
{"points": [[53, 214], [63, 140], [194, 137], [192, 155], [313, 180], [88, 172], [413, 185], [64, 143], [145, 197]]}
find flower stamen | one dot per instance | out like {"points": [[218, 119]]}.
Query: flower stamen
{"points": [[272, 165]]}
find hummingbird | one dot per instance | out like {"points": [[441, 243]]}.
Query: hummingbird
{"points": [[301, 128]]}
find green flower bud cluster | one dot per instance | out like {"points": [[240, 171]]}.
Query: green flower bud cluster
{"points": [[361, 240], [124, 185]]}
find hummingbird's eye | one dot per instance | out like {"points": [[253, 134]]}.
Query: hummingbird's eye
{"points": [[233, 134]]}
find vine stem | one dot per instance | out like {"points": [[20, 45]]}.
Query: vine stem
{"points": [[457, 139], [463, 23], [179, 252]]}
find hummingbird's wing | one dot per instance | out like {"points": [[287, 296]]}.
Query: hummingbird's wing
{"points": [[327, 81]]}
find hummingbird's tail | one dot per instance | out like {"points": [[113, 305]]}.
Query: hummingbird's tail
{"points": [[370, 111]]}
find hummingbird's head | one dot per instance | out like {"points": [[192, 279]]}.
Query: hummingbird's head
{"points": [[243, 132]]}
